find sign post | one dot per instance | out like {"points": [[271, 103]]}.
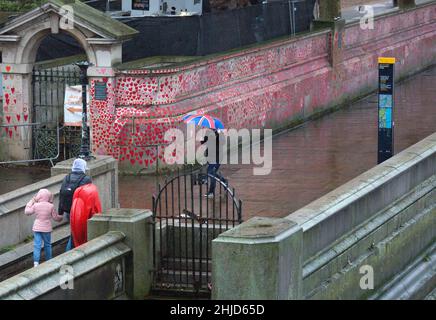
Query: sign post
{"points": [[385, 108]]}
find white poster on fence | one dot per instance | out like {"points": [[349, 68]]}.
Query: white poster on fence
{"points": [[73, 106]]}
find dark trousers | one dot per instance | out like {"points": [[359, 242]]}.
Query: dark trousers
{"points": [[212, 170]]}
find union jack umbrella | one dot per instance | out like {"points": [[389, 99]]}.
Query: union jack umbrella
{"points": [[204, 121]]}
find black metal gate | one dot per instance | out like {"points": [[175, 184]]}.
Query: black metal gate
{"points": [[51, 140], [185, 223]]}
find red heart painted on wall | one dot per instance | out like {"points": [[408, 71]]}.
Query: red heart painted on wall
{"points": [[8, 118], [8, 68]]}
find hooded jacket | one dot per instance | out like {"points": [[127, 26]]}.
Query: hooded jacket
{"points": [[78, 173], [42, 207], [86, 203]]}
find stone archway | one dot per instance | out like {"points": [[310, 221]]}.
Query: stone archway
{"points": [[100, 36]]}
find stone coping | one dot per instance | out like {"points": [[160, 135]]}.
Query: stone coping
{"points": [[37, 281], [223, 56], [95, 167], [326, 206], [7, 200], [259, 230], [23, 250], [122, 215]]}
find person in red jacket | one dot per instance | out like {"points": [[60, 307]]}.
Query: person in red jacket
{"points": [[86, 203]]}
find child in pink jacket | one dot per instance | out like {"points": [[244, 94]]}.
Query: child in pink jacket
{"points": [[42, 207]]}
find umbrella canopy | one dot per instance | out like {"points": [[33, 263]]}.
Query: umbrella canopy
{"points": [[204, 121]]}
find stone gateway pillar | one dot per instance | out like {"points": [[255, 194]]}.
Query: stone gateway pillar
{"points": [[100, 36], [260, 259], [16, 137]]}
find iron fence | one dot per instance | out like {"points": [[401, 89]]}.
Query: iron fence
{"points": [[186, 222], [49, 87]]}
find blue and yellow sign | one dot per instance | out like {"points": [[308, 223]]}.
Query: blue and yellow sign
{"points": [[385, 108]]}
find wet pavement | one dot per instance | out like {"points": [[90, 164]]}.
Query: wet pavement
{"points": [[12, 178], [320, 155], [308, 161]]}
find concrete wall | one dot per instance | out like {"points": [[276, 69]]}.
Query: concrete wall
{"points": [[101, 262], [20, 258], [384, 219], [16, 227], [273, 85], [116, 263]]}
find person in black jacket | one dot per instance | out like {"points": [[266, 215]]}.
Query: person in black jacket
{"points": [[71, 182], [214, 163]]}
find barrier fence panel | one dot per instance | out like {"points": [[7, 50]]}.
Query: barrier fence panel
{"points": [[186, 221], [199, 35]]}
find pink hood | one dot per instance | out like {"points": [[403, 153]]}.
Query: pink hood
{"points": [[42, 207], [44, 195]]}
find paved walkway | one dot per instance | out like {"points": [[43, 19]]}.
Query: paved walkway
{"points": [[319, 156]]}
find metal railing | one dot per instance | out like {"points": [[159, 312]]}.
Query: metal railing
{"points": [[186, 222], [37, 137]]}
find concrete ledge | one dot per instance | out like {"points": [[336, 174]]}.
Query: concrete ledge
{"points": [[18, 199], [136, 225], [422, 195], [42, 280], [388, 243], [339, 212], [383, 219], [259, 259], [104, 172], [20, 258], [416, 282], [97, 166], [16, 226]]}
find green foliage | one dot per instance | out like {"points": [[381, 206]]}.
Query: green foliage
{"points": [[6, 249], [28, 239], [19, 5]]}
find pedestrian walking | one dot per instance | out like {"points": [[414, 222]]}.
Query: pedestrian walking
{"points": [[86, 203], [71, 182], [42, 207], [214, 158]]}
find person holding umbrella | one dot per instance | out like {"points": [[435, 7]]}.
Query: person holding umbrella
{"points": [[214, 158]]}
